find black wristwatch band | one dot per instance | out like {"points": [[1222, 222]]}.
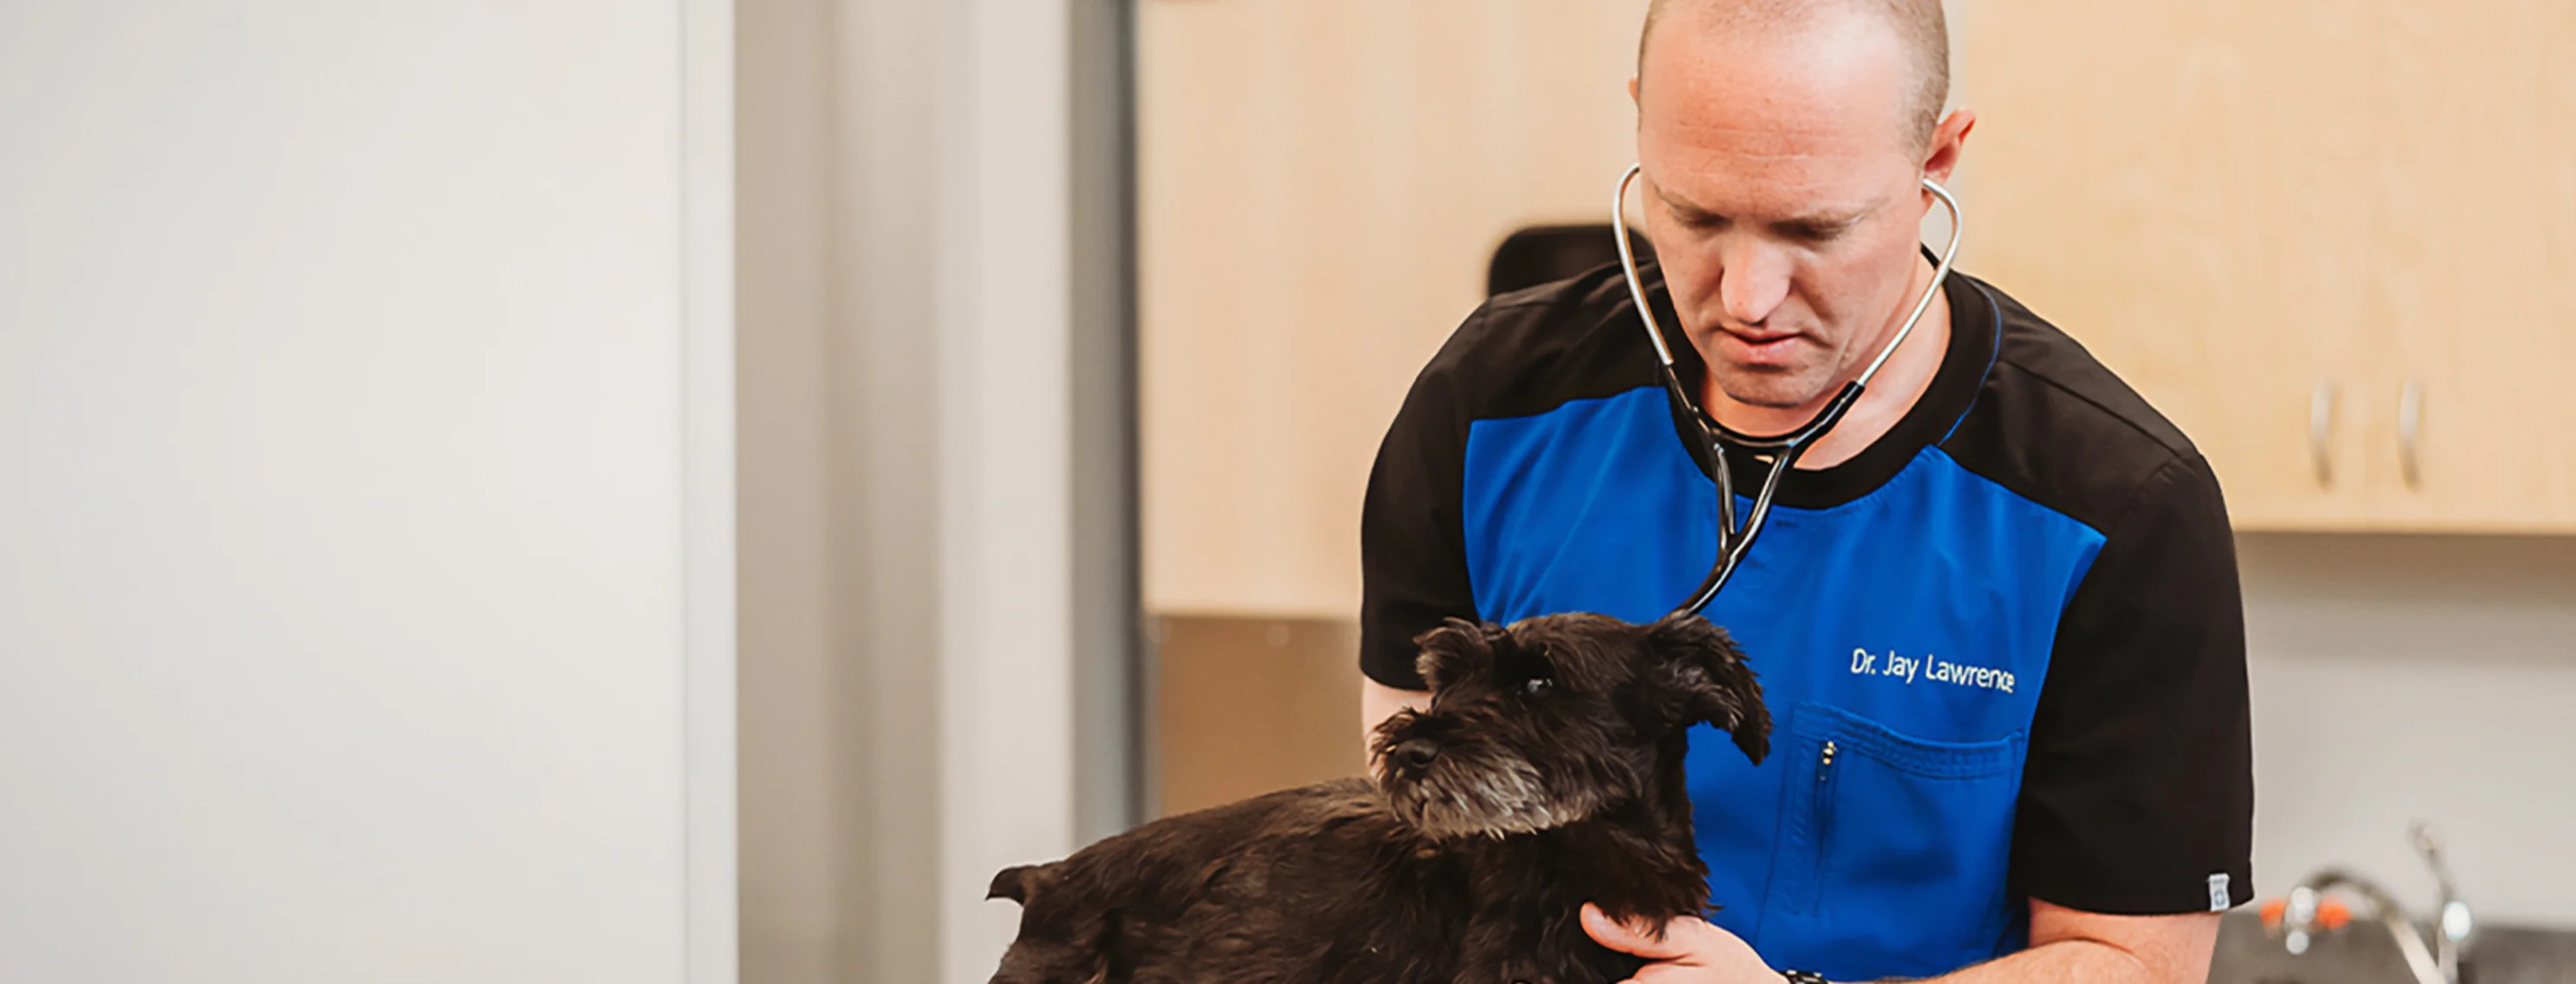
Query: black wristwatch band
{"points": [[1804, 977]]}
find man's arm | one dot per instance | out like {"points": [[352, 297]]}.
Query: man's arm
{"points": [[2068, 945], [2065, 945], [1379, 702], [1413, 554]]}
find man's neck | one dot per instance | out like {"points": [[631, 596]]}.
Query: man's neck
{"points": [[1897, 387]]}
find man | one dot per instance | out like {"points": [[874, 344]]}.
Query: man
{"points": [[1995, 610]]}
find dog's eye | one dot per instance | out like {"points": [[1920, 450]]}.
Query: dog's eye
{"points": [[1537, 686]]}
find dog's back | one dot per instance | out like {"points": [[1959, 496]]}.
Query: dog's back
{"points": [[1282, 887]]}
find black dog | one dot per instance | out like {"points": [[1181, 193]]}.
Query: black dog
{"points": [[1546, 773]]}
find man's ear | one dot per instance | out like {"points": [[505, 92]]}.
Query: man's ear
{"points": [[1948, 140], [1706, 679]]}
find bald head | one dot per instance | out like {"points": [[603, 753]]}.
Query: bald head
{"points": [[1919, 26]]}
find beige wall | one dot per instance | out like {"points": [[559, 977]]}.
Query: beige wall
{"points": [[928, 680], [839, 514]]}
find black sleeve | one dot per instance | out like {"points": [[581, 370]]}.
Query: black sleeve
{"points": [[2139, 791], [1413, 555]]}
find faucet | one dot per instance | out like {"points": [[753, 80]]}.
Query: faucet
{"points": [[2453, 923], [2452, 927]]}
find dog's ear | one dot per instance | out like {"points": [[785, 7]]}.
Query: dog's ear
{"points": [[1452, 652], [1705, 678], [1021, 883]]}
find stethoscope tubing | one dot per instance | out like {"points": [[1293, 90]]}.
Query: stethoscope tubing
{"points": [[1734, 541]]}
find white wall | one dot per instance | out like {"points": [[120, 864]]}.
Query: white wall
{"points": [[364, 492], [2399, 678]]}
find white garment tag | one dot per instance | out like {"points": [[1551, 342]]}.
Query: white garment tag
{"points": [[2218, 901]]}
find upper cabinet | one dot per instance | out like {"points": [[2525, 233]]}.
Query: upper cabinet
{"points": [[1320, 184], [2478, 191], [2332, 239]]}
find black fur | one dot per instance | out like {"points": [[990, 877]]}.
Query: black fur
{"points": [[1546, 773]]}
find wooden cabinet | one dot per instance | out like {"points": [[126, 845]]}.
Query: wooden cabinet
{"points": [[1246, 705], [2478, 186], [2334, 240], [1321, 183]]}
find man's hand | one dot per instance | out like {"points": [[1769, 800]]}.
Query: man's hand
{"points": [[1689, 951]]}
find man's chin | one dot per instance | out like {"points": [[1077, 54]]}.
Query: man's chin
{"points": [[1772, 389]]}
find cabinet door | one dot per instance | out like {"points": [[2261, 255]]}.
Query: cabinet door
{"points": [[2185, 187], [1321, 183], [2476, 170]]}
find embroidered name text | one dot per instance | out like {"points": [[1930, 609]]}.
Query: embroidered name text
{"points": [[1932, 668]]}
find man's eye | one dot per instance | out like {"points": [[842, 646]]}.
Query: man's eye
{"points": [[1537, 686], [1698, 221]]}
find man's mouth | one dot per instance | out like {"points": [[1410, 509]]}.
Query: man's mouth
{"points": [[1758, 348]]}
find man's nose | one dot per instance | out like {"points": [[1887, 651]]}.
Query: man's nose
{"points": [[1753, 279]]}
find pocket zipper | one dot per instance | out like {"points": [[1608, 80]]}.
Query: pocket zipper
{"points": [[1824, 814]]}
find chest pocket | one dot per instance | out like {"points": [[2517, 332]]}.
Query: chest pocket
{"points": [[1893, 850]]}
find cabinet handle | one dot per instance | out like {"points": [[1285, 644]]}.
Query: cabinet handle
{"points": [[2410, 425], [2321, 432]]}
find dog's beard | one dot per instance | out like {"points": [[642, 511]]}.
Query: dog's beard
{"points": [[1490, 795]]}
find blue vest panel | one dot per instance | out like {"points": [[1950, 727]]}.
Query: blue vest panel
{"points": [[1902, 641]]}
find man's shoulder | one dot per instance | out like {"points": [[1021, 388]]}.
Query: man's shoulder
{"points": [[2055, 425], [1530, 351]]}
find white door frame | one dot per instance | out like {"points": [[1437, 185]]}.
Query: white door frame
{"points": [[707, 492]]}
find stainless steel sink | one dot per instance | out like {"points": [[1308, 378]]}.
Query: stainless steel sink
{"points": [[2361, 954]]}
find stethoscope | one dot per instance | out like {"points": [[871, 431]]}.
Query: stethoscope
{"points": [[1733, 539]]}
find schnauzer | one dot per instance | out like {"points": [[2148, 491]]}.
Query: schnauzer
{"points": [[1547, 772]]}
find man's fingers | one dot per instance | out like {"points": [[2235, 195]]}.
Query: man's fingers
{"points": [[1637, 940], [1683, 950], [1671, 973]]}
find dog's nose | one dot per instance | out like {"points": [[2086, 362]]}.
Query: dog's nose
{"points": [[1415, 753]]}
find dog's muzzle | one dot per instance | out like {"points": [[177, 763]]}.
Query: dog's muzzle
{"points": [[1447, 789]]}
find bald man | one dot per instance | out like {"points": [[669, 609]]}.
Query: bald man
{"points": [[1995, 610]]}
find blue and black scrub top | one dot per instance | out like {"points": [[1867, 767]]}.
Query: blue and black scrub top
{"points": [[2003, 646]]}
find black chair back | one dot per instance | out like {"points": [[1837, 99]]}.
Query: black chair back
{"points": [[1543, 254]]}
